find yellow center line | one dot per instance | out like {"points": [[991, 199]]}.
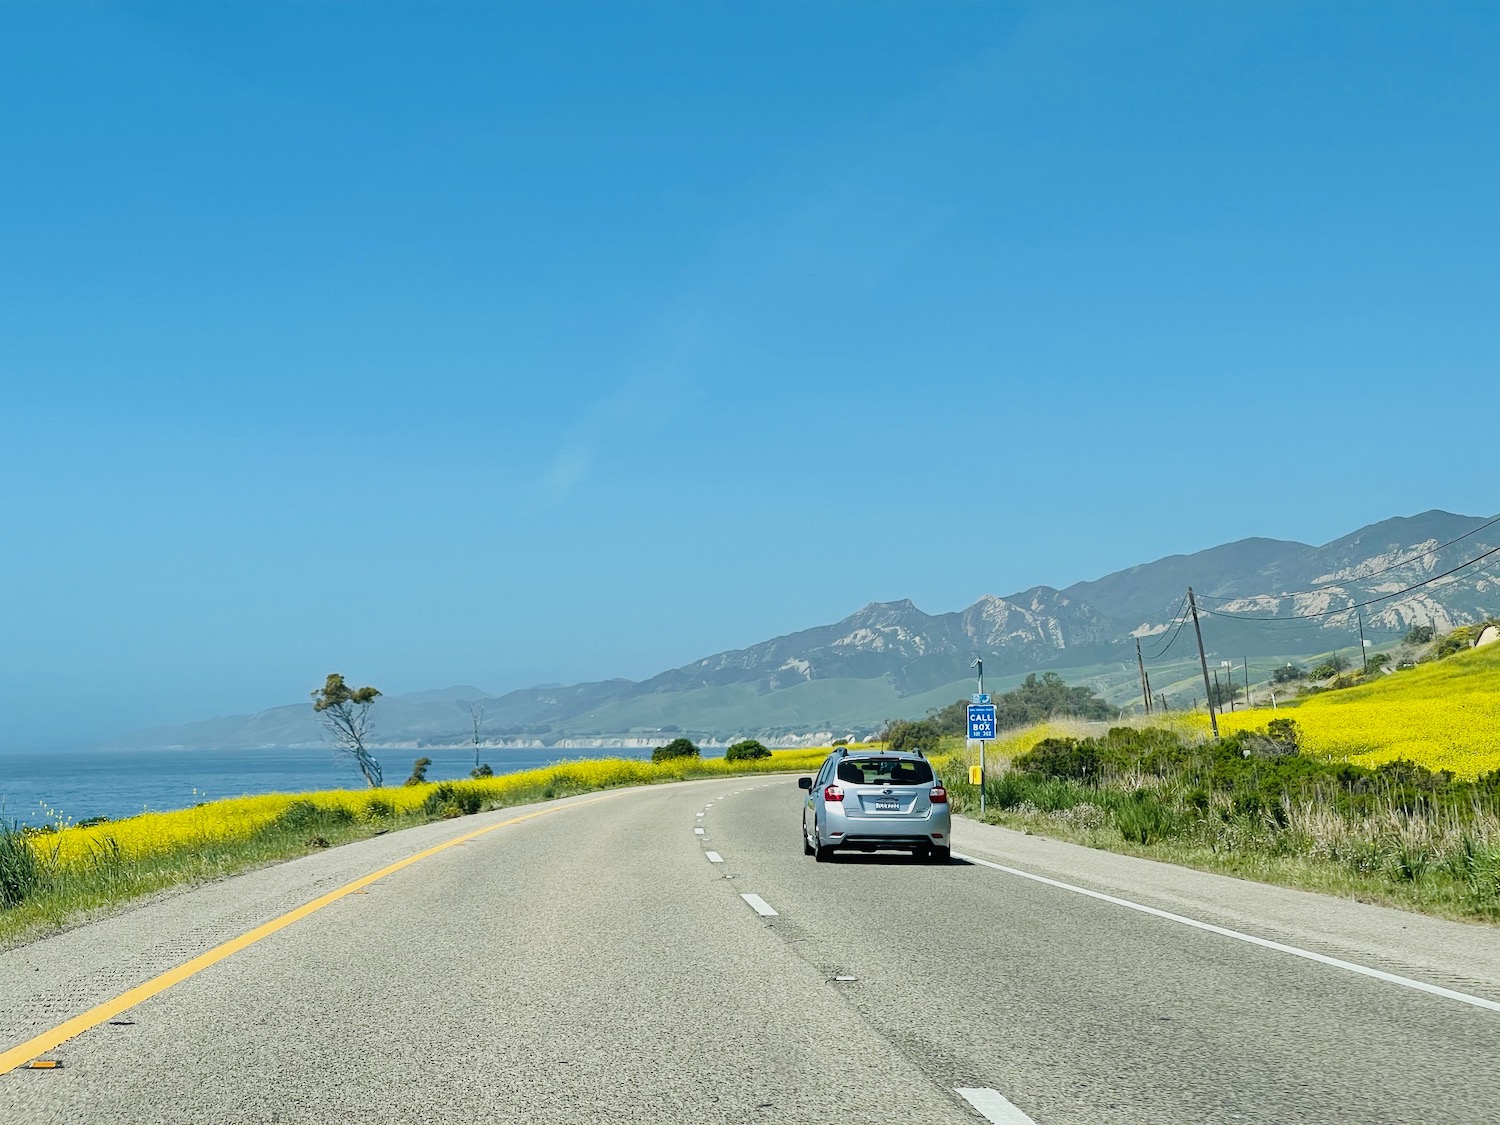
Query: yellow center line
{"points": [[48, 1040]]}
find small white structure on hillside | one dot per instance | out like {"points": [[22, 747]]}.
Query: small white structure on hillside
{"points": [[1487, 636]]}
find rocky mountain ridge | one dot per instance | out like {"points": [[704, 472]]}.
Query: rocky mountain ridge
{"points": [[1257, 597]]}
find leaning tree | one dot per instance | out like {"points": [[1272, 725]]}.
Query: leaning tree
{"points": [[346, 719]]}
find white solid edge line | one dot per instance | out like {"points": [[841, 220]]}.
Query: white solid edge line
{"points": [[714, 857], [1264, 943], [759, 905], [993, 1105]]}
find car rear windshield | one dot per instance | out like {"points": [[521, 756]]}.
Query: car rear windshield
{"points": [[884, 771]]}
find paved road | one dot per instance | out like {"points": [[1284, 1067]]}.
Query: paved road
{"points": [[592, 964]]}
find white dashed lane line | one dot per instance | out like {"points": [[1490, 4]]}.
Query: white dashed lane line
{"points": [[714, 857], [697, 831], [993, 1105], [760, 906]]}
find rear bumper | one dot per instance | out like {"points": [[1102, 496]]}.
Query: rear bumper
{"points": [[932, 830]]}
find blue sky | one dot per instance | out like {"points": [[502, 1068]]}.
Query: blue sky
{"points": [[509, 344]]}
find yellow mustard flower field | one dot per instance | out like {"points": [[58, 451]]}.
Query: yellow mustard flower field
{"points": [[237, 819], [1444, 715]]}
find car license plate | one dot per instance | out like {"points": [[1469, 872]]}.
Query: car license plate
{"points": [[887, 804]]}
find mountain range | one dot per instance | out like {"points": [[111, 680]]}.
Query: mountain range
{"points": [[1267, 599]]}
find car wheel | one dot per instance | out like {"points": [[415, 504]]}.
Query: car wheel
{"points": [[807, 848], [940, 855], [821, 852]]}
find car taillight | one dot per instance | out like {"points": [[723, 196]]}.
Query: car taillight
{"points": [[939, 796], [832, 793]]}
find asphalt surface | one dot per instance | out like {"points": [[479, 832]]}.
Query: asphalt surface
{"points": [[592, 965]]}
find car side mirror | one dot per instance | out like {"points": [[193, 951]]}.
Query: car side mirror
{"points": [[804, 783]]}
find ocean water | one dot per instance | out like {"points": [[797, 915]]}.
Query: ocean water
{"points": [[52, 785]]}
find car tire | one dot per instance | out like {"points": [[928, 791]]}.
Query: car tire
{"points": [[940, 855], [807, 848], [821, 851]]}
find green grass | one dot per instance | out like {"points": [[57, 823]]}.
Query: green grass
{"points": [[1395, 835], [62, 896], [1429, 893]]}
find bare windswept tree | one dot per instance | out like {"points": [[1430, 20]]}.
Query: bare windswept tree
{"points": [[476, 713], [345, 712]]}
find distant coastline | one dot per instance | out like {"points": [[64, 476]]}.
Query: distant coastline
{"points": [[601, 742]]}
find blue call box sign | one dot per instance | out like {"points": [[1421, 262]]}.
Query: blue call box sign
{"points": [[981, 722]]}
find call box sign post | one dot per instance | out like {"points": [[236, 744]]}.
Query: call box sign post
{"points": [[981, 728]]}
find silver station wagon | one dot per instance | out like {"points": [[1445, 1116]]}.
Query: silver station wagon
{"points": [[867, 799]]}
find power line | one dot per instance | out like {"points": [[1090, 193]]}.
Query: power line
{"points": [[1374, 573], [1181, 619], [1358, 605]]}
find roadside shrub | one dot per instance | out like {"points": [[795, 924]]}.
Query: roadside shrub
{"points": [[378, 808], [297, 816], [1279, 738], [1056, 795], [20, 871], [1419, 635], [1249, 804], [677, 748], [1408, 861], [1151, 750], [1286, 732], [1288, 673], [1330, 667], [746, 751], [418, 772], [1064, 758], [482, 771], [304, 816], [1007, 791], [1144, 819], [448, 801], [911, 734]]}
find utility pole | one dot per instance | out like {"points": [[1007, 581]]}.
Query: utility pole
{"points": [[1145, 684], [1247, 683], [1364, 653], [1213, 719]]}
